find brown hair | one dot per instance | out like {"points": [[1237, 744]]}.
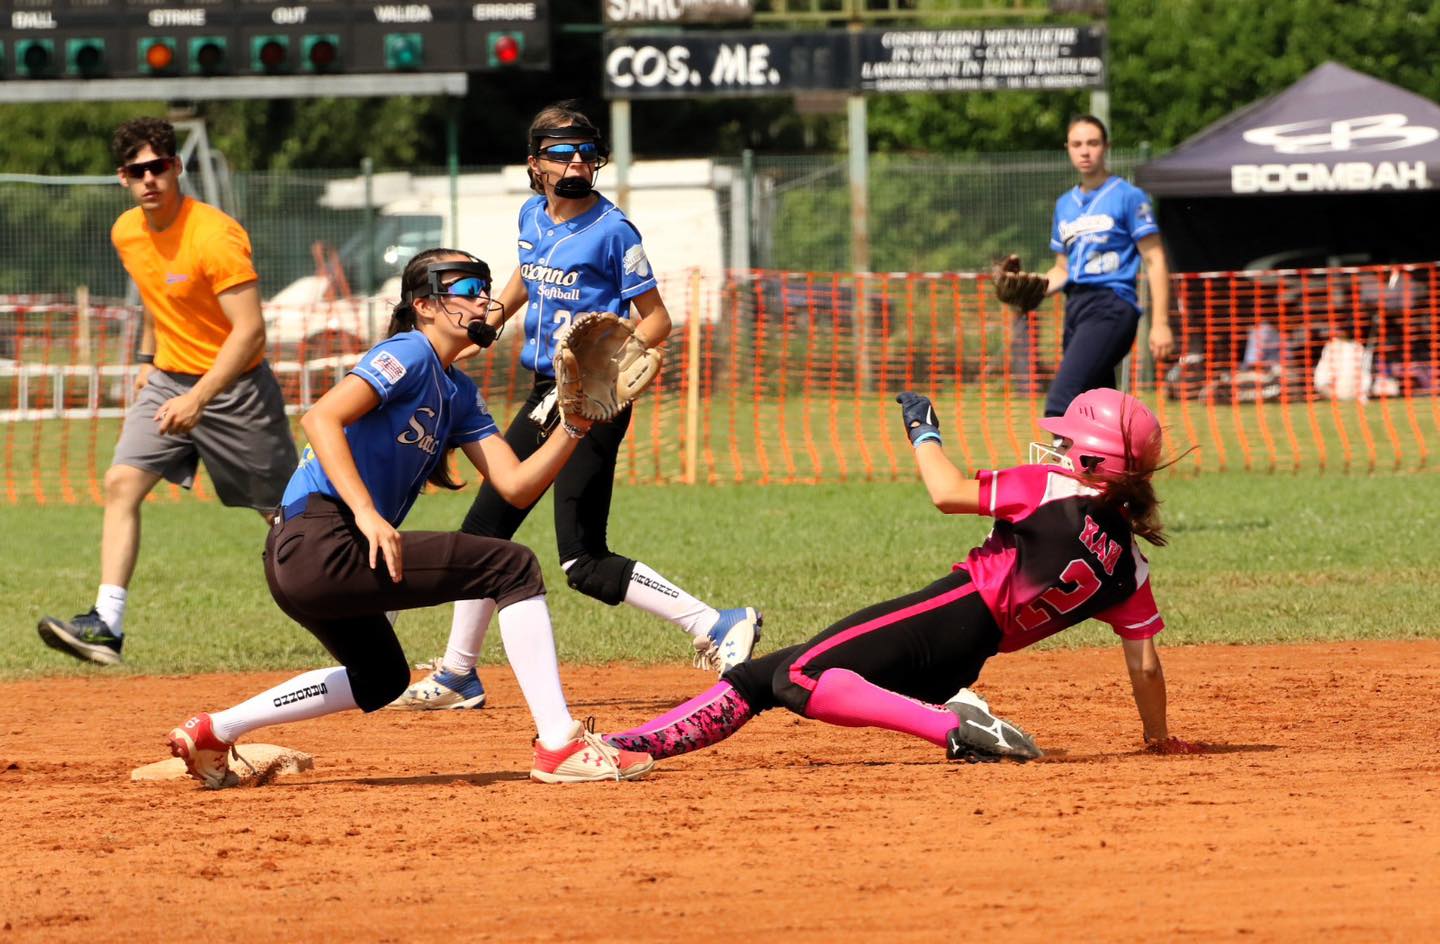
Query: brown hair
{"points": [[1132, 492], [402, 319], [559, 115], [1089, 120], [136, 133]]}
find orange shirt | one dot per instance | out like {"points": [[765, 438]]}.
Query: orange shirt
{"points": [[179, 272]]}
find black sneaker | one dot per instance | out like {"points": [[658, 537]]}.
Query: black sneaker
{"points": [[981, 737], [86, 637]]}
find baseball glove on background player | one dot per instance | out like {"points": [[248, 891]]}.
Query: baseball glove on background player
{"points": [[1024, 290], [600, 366]]}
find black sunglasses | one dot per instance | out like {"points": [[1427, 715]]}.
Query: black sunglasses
{"points": [[565, 153], [139, 169]]}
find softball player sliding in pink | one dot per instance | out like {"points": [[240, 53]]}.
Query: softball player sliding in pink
{"points": [[1062, 551]]}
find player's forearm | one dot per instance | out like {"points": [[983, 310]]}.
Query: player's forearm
{"points": [[1158, 276], [1055, 279], [524, 483], [512, 298], [950, 490], [235, 356], [147, 334]]}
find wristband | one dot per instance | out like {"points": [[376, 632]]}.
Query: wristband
{"points": [[927, 436], [144, 358], [574, 432]]}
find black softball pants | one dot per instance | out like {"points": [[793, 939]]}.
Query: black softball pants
{"points": [[318, 566], [926, 645], [583, 489], [1099, 330]]}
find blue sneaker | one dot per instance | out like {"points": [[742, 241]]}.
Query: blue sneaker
{"points": [[86, 637], [442, 690], [730, 641]]}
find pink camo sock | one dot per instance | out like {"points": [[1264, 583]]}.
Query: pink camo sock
{"points": [[706, 719], [844, 698]]}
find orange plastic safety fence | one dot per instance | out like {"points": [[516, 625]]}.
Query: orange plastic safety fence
{"points": [[790, 377]]}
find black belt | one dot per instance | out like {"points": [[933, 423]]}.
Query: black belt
{"points": [[295, 507]]}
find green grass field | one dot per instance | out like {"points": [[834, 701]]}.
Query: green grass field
{"points": [[1253, 558]]}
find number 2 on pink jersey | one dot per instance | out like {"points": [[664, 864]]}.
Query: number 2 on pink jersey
{"points": [[1059, 599]]}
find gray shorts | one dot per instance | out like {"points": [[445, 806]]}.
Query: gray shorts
{"points": [[243, 438]]}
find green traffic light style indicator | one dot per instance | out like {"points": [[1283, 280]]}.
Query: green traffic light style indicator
{"points": [[35, 58], [321, 52], [404, 52], [209, 55], [85, 57], [270, 54]]}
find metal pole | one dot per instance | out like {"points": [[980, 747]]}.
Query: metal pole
{"points": [[859, 161], [620, 153], [367, 256], [1100, 107], [859, 185], [452, 164], [747, 170]]}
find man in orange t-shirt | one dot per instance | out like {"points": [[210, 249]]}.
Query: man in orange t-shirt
{"points": [[204, 391]]}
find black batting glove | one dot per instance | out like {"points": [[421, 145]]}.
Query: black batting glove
{"points": [[921, 424]]}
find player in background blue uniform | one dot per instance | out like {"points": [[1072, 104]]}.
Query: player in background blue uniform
{"points": [[1103, 228], [336, 563], [578, 253]]}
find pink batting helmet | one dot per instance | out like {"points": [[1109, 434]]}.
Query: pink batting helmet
{"points": [[1113, 430]]}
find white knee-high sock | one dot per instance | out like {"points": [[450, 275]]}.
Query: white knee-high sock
{"points": [[468, 625], [657, 596], [307, 695], [530, 646]]}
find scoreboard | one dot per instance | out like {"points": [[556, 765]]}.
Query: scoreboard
{"points": [[136, 39]]}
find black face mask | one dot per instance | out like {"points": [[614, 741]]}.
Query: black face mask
{"points": [[574, 188], [482, 333]]}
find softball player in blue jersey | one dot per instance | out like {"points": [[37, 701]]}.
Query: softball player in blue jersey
{"points": [[336, 563], [578, 253], [1103, 227]]}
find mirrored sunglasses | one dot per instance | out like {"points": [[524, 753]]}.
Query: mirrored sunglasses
{"points": [[589, 152], [156, 167], [469, 287]]}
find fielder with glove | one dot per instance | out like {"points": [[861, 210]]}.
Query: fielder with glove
{"points": [[1062, 550], [600, 366], [580, 254], [1103, 228]]}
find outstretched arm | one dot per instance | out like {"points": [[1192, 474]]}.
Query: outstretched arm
{"points": [[522, 483], [949, 488], [1147, 681]]}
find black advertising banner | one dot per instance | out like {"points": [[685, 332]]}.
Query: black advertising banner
{"points": [[671, 65], [635, 12], [974, 60]]}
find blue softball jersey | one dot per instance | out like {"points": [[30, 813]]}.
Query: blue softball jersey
{"points": [[424, 410], [1097, 231], [594, 262]]}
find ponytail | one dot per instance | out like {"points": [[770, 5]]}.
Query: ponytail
{"points": [[402, 319], [1132, 492]]}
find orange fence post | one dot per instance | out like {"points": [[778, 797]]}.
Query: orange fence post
{"points": [[838, 332]]}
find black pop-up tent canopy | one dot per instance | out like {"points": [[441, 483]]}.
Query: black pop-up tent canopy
{"points": [[1340, 168]]}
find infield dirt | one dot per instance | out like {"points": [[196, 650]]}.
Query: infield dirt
{"points": [[1313, 815]]}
